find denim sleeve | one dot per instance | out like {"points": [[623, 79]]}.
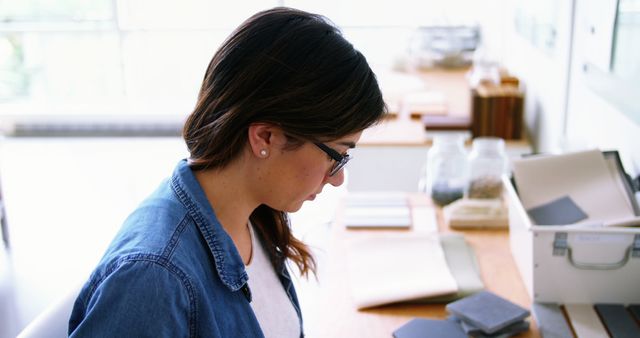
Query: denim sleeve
{"points": [[141, 297]]}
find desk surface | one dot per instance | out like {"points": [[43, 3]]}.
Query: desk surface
{"points": [[329, 311]]}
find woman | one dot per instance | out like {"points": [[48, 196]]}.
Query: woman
{"points": [[282, 101]]}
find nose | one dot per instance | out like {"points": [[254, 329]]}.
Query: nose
{"points": [[337, 179]]}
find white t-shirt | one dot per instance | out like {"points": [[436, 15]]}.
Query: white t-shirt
{"points": [[270, 303]]}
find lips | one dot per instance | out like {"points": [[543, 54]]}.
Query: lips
{"points": [[313, 196]]}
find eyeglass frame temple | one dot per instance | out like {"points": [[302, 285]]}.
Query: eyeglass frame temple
{"points": [[331, 152], [341, 160]]}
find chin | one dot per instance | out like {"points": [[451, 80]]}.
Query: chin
{"points": [[293, 207]]}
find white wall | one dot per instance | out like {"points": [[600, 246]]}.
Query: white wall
{"points": [[561, 111], [592, 121], [544, 75]]}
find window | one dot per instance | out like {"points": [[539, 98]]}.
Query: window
{"points": [[86, 50], [619, 83], [626, 51], [144, 59]]}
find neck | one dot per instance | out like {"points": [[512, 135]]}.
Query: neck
{"points": [[228, 192]]}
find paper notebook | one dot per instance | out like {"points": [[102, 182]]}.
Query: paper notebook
{"points": [[464, 268], [397, 268]]}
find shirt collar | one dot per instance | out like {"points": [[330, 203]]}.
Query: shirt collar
{"points": [[228, 262]]}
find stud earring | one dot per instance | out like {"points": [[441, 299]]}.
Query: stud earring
{"points": [[263, 152]]}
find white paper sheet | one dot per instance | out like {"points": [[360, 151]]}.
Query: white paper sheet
{"points": [[382, 216], [583, 176], [377, 209], [396, 268]]}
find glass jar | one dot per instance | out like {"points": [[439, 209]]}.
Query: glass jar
{"points": [[444, 177], [487, 164]]}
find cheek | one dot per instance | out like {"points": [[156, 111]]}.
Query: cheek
{"points": [[304, 170], [309, 173]]}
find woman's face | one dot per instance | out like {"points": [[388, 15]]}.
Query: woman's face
{"points": [[302, 173]]}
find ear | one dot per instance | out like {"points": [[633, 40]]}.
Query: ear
{"points": [[262, 138]]}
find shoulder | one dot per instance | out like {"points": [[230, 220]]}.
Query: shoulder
{"points": [[139, 266], [140, 274], [163, 203], [134, 290], [151, 227]]}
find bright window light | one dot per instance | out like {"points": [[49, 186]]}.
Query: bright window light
{"points": [[90, 59]]}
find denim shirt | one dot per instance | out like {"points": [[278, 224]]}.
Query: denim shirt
{"points": [[171, 271]]}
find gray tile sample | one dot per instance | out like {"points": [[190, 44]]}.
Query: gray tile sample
{"points": [[551, 321], [618, 321], [487, 311]]}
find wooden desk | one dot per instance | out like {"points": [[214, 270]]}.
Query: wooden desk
{"points": [[328, 310]]}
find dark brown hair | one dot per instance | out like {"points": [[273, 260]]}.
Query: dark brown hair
{"points": [[292, 69]]}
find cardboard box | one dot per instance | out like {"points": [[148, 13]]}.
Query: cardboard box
{"points": [[573, 264]]}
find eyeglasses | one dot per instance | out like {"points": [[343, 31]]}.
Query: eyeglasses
{"points": [[341, 160]]}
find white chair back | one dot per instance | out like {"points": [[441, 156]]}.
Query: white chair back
{"points": [[53, 322]]}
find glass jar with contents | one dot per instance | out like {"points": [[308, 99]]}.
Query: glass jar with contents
{"points": [[444, 177], [487, 163]]}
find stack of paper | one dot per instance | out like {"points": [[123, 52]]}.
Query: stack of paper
{"points": [[580, 188], [411, 267], [387, 210]]}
